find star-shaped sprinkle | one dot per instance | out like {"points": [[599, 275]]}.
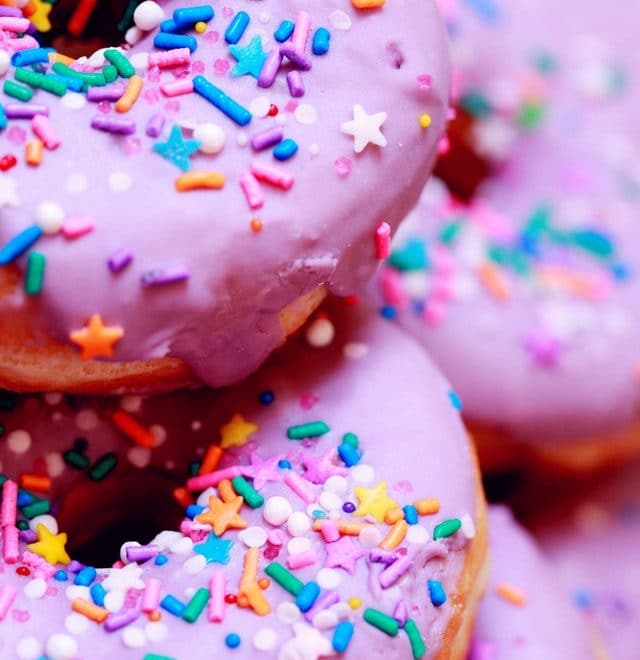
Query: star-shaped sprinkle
{"points": [[51, 547], [223, 515], [365, 128], [343, 554], [374, 501], [250, 58], [96, 339], [236, 432], [262, 470], [308, 644], [177, 150], [214, 549], [40, 16], [319, 468], [125, 578]]}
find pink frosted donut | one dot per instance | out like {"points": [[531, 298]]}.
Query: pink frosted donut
{"points": [[345, 503], [525, 614], [526, 296], [183, 218]]}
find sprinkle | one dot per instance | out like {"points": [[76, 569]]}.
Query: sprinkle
{"points": [[34, 276], [424, 120], [251, 496], [511, 594], [410, 514], [172, 605], [308, 430], [394, 572], [7, 595], [10, 545], [177, 88], [307, 596], [35, 482], [349, 454], [342, 636], [437, 594], [237, 28], [103, 467], [249, 589], [395, 536], [446, 528], [9, 503], [302, 560], [211, 459], [188, 16], [110, 93], [90, 79], [37, 508], [217, 588], [131, 94], [18, 92], [381, 621], [345, 527], [320, 42], [19, 244], [33, 152], [76, 227], [300, 486], [141, 553], [88, 609], [151, 596], [162, 276], [85, 576], [494, 281], [120, 259], [155, 125], [232, 640], [288, 581], [285, 150], [43, 129], [252, 191], [267, 138], [170, 58], [209, 180], [167, 41], [220, 100], [114, 125], [132, 429], [31, 56], [418, 647], [122, 64], [270, 69], [120, 620], [196, 605]]}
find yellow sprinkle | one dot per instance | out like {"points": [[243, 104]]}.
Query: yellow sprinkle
{"points": [[355, 603], [425, 120], [200, 27]]}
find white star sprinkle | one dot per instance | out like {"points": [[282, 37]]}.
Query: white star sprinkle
{"points": [[122, 579], [308, 644], [365, 128]]}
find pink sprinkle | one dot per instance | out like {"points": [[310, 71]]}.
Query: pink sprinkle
{"points": [[425, 81], [14, 24], [169, 58], [442, 289], [25, 43], [151, 597], [308, 401], [217, 587], [172, 107], [291, 106], [43, 129], [177, 88], [212, 36], [329, 531], [434, 312], [204, 481], [21, 616], [227, 12], [383, 241], [272, 175], [220, 67], [343, 166], [276, 536], [252, 190], [444, 145], [17, 136], [198, 67], [104, 107], [301, 487], [132, 146], [151, 96], [393, 293], [76, 227], [9, 503], [10, 545], [153, 75], [302, 559]]}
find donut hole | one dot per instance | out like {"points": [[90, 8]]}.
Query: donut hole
{"points": [[395, 56], [99, 517]]}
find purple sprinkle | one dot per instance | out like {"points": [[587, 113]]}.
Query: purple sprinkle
{"points": [[298, 58], [141, 553], [325, 601], [14, 12], [120, 259], [75, 566], [348, 507], [267, 138], [120, 620], [27, 536], [114, 125], [155, 125], [270, 69], [394, 572], [378, 556], [160, 276], [296, 86], [25, 111], [110, 93]]}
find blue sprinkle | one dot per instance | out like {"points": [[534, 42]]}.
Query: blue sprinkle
{"points": [[267, 397], [98, 592], [19, 244], [169, 26], [318, 515], [172, 605], [237, 27], [284, 31], [286, 149], [320, 43], [284, 464], [583, 600], [72, 84], [486, 9], [307, 596], [621, 272], [232, 640], [188, 16], [342, 636], [193, 510], [85, 576], [417, 307], [60, 576], [3, 119], [161, 560], [31, 56], [410, 514], [388, 312], [24, 498], [455, 399], [167, 41], [436, 592], [220, 100], [349, 454]]}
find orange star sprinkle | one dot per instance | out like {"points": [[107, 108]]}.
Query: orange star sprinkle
{"points": [[223, 515], [96, 339]]}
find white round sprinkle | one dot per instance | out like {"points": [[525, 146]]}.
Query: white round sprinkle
{"points": [[288, 613], [133, 638], [159, 434], [182, 546], [320, 333], [324, 620], [203, 498], [355, 350], [417, 534], [342, 610], [36, 588], [330, 501], [242, 139], [139, 457], [29, 648], [74, 591], [328, 578], [195, 564], [48, 521], [211, 138], [253, 537], [76, 624], [363, 474], [55, 464], [5, 61], [265, 639], [131, 403], [370, 537], [156, 631], [264, 17], [120, 181], [305, 114], [166, 538], [77, 183], [314, 149], [337, 485], [87, 420], [260, 106], [276, 510], [73, 101], [113, 601], [19, 442], [148, 15], [61, 647], [49, 216], [132, 36], [298, 544], [298, 524], [339, 20]]}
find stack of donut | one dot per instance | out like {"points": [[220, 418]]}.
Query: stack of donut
{"points": [[219, 436]]}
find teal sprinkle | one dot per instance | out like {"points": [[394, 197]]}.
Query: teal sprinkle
{"points": [[413, 256], [594, 242], [476, 104], [450, 232], [545, 62], [510, 257]]}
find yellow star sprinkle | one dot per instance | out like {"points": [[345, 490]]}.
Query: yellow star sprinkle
{"points": [[50, 546], [374, 501], [236, 432], [96, 339], [40, 17]]}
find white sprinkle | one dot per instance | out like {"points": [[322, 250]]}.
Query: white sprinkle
{"points": [[156, 631], [73, 101], [242, 139], [253, 537], [120, 181], [55, 464], [195, 564], [305, 114], [288, 612], [298, 524], [265, 639], [211, 137], [276, 510], [324, 620], [264, 17], [468, 526], [36, 588], [314, 149], [339, 20], [369, 537], [114, 601], [148, 15], [75, 623], [87, 420], [260, 106], [417, 534], [328, 578], [330, 501], [49, 216], [355, 350], [5, 61], [298, 544], [320, 333], [159, 434], [139, 457], [28, 648], [74, 591], [61, 647], [133, 638], [337, 485], [19, 442], [363, 474], [182, 546], [48, 521], [131, 403]]}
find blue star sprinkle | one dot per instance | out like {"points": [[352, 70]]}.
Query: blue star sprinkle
{"points": [[214, 549], [177, 150], [250, 58]]}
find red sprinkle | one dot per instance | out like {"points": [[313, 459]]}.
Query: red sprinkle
{"points": [[273, 110], [7, 162], [230, 599], [23, 571]]}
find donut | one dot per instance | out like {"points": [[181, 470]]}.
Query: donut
{"points": [[526, 613], [591, 544], [167, 227], [308, 512], [521, 278]]}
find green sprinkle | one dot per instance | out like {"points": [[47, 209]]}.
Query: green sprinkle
{"points": [[89, 79], [449, 232], [350, 439], [196, 605], [309, 430], [3, 478], [37, 508], [110, 73], [251, 496], [22, 525], [530, 115], [121, 63], [446, 528], [415, 639], [28, 77], [127, 19], [103, 467], [194, 468], [155, 656], [381, 621], [17, 92], [34, 276], [53, 86], [76, 460], [288, 581]]}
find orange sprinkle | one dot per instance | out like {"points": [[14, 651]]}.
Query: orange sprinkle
{"points": [[395, 536], [566, 280], [345, 527], [428, 506], [29, 9], [367, 4], [204, 180], [80, 17], [494, 281], [182, 497], [131, 94], [154, 616], [35, 482], [211, 459], [33, 152], [250, 591], [242, 601], [256, 225], [511, 594], [133, 430], [393, 515], [59, 57], [91, 611], [264, 583], [225, 490]]}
